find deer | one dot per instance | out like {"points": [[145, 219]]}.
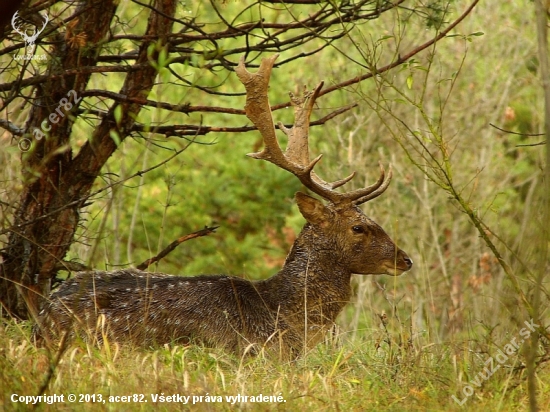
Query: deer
{"points": [[286, 314]]}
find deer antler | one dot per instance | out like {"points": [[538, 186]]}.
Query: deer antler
{"points": [[46, 20], [15, 26], [296, 157]]}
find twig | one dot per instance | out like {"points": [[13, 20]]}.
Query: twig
{"points": [[532, 144], [402, 58], [511, 132], [182, 108], [203, 232], [200, 130], [82, 199]]}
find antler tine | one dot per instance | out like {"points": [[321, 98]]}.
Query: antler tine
{"points": [[363, 195], [298, 135], [342, 182], [298, 144], [13, 23]]}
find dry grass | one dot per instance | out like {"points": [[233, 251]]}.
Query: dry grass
{"points": [[382, 369]]}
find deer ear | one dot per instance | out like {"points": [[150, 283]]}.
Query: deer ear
{"points": [[313, 210]]}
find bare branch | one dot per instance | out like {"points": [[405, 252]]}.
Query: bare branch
{"points": [[182, 108], [516, 133], [401, 59], [203, 232], [182, 130], [81, 200], [10, 127]]}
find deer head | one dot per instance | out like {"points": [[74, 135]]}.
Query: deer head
{"points": [[361, 243]]}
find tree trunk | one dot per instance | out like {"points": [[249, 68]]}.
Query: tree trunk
{"points": [[54, 179]]}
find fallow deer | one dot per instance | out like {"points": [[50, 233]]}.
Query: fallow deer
{"points": [[285, 314]]}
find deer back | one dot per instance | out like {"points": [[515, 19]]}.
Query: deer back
{"points": [[150, 309]]}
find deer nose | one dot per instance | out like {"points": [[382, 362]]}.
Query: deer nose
{"points": [[408, 261]]}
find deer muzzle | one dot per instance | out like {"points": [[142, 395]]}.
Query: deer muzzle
{"points": [[400, 265]]}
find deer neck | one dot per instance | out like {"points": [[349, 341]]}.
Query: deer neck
{"points": [[312, 280]]}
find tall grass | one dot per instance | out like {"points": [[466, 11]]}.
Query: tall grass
{"points": [[382, 369]]}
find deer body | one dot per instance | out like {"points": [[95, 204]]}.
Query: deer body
{"points": [[285, 314]]}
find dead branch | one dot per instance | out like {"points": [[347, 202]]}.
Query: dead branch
{"points": [[203, 232], [516, 133], [200, 130], [72, 266]]}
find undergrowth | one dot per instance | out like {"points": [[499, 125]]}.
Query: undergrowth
{"points": [[374, 371]]}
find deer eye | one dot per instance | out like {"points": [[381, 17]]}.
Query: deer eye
{"points": [[358, 229]]}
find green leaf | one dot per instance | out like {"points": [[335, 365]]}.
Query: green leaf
{"points": [[164, 75], [164, 58], [117, 114], [115, 136], [150, 50], [410, 82]]}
